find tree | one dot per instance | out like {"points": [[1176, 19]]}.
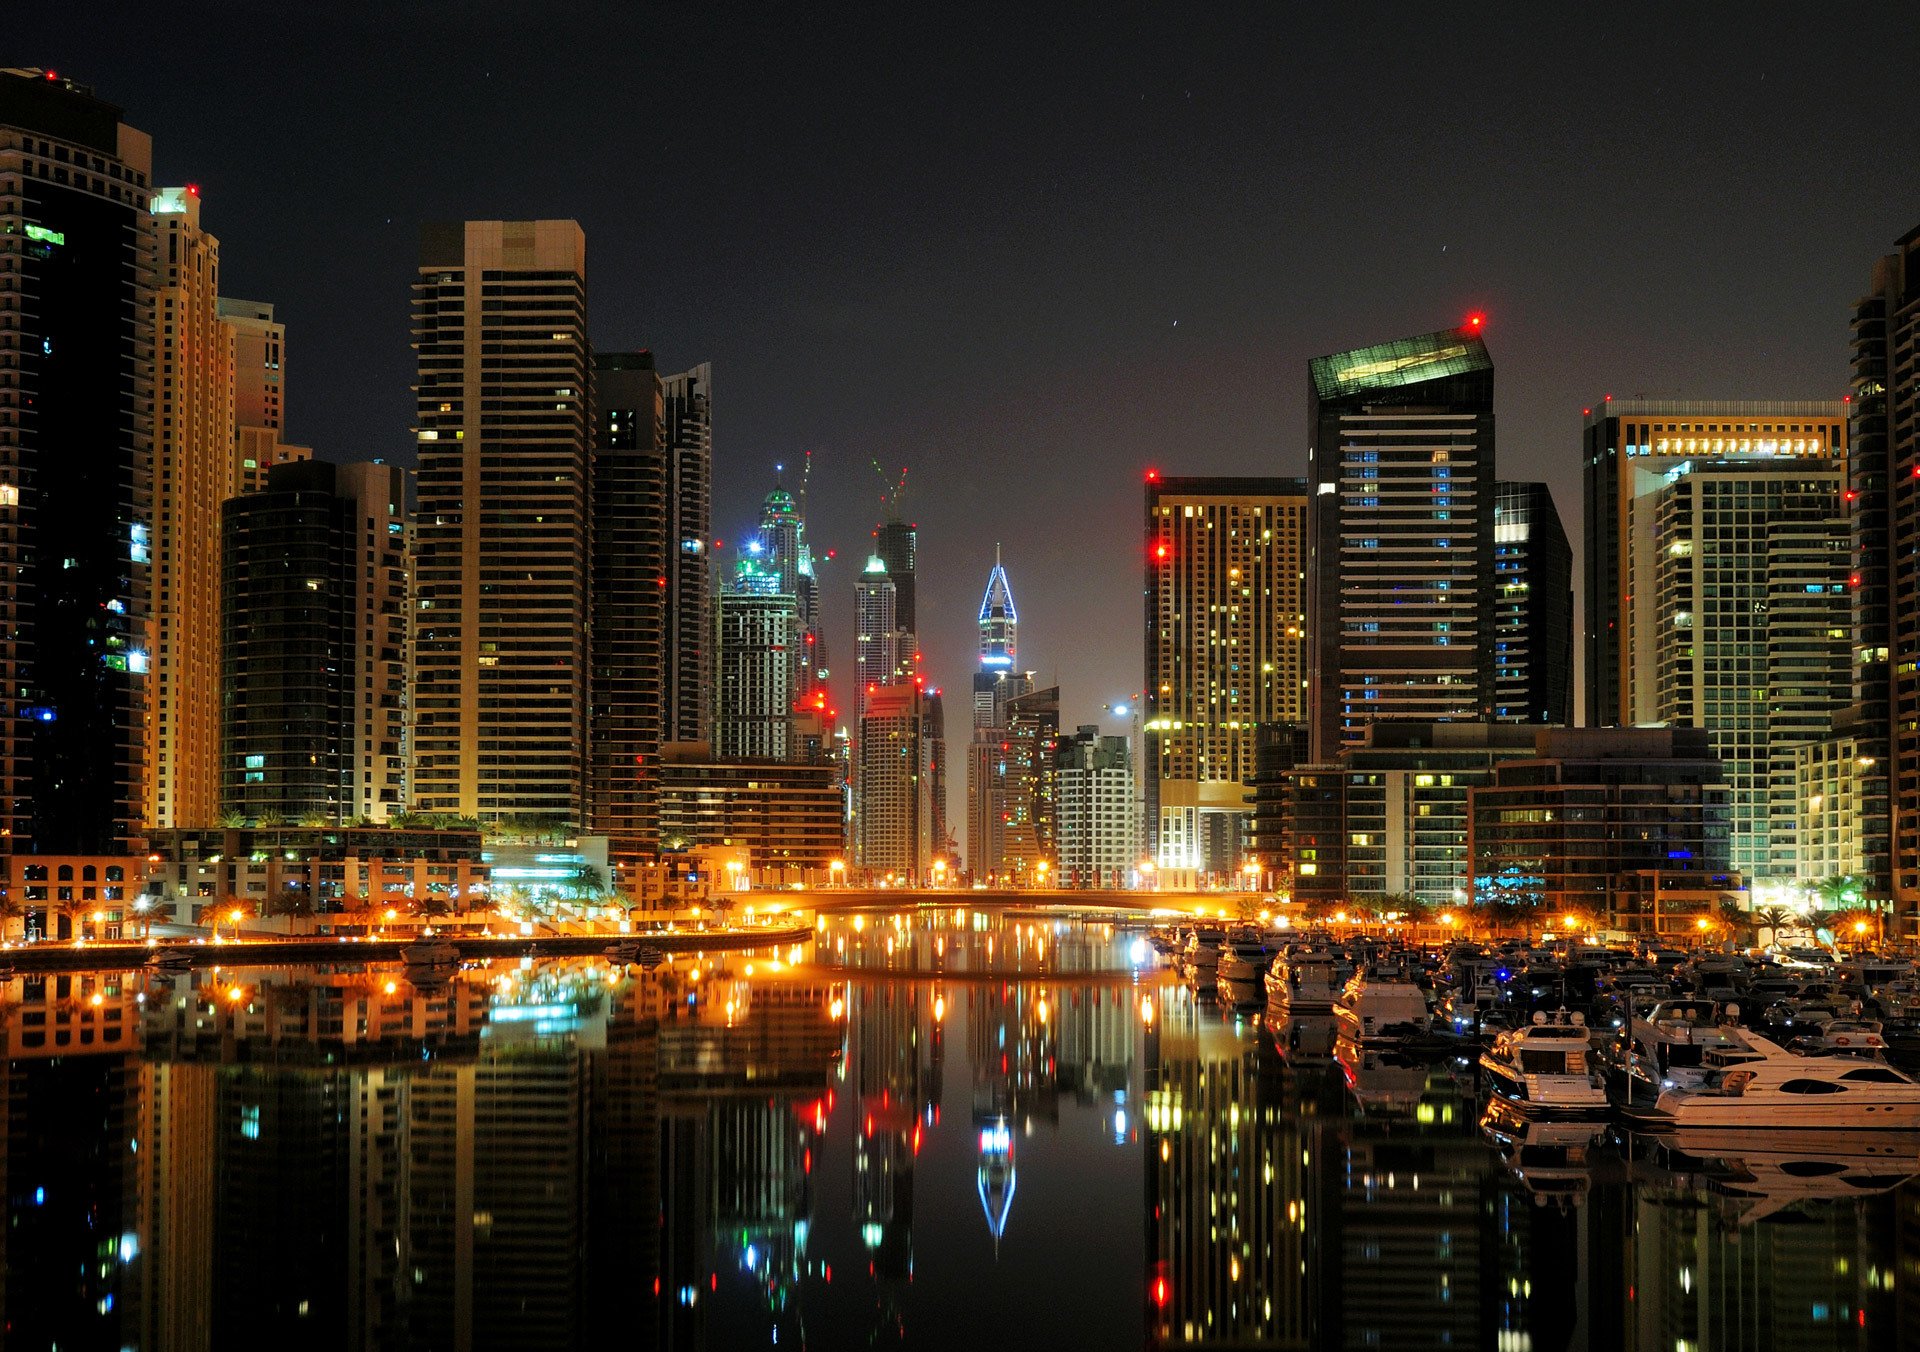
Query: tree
{"points": [[1770, 920], [316, 820], [289, 900], [233, 819]]}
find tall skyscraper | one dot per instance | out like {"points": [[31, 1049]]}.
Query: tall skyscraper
{"points": [[1030, 742], [1402, 607], [1718, 562], [689, 616], [1225, 653], [500, 329], [633, 541], [896, 544], [76, 384], [1884, 485], [259, 392], [994, 684], [194, 473], [894, 827], [754, 697], [1533, 608], [877, 648], [314, 668]]}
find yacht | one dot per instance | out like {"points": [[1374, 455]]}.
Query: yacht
{"points": [[1203, 949], [1547, 1065], [1244, 958], [1303, 981], [429, 953], [1766, 1086], [1382, 1004], [1667, 1045], [1848, 1037]]}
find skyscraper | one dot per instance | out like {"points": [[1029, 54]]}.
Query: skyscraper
{"points": [[195, 471], [754, 696], [1884, 486], [76, 373], [896, 543], [1093, 798], [259, 392], [314, 670], [499, 325], [1402, 606], [689, 599], [994, 684], [632, 543], [1533, 608], [1225, 653], [1718, 569], [894, 827], [876, 650], [1030, 741]]}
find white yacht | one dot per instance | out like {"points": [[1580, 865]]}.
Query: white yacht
{"points": [[1203, 949], [1766, 1086], [1381, 1004], [1303, 981], [1244, 958], [1667, 1045], [1547, 1065]]}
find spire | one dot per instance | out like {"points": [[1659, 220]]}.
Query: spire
{"points": [[999, 621]]}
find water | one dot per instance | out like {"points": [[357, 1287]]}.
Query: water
{"points": [[939, 1132]]}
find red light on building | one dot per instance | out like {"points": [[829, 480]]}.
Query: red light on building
{"points": [[53, 75], [1153, 476], [1586, 413], [1161, 552], [1476, 321], [1162, 1293], [193, 189], [1853, 579]]}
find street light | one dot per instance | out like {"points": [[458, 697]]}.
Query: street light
{"points": [[837, 872], [1040, 867]]}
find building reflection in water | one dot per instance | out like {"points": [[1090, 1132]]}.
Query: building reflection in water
{"points": [[733, 1152]]}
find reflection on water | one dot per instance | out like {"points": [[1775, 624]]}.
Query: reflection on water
{"points": [[941, 1131]]}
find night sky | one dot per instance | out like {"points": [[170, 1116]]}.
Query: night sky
{"points": [[1029, 251]]}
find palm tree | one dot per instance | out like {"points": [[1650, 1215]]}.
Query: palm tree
{"points": [[1770, 920], [233, 819], [316, 820], [12, 908]]}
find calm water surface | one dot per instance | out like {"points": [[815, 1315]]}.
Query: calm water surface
{"points": [[935, 1131]]}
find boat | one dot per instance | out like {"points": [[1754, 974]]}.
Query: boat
{"points": [[1203, 949], [1244, 958], [1846, 1037], [1303, 981], [1667, 1045], [1767, 1086], [1546, 1066], [170, 960], [429, 953], [1382, 1004]]}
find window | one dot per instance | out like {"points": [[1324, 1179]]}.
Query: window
{"points": [[1813, 1086]]}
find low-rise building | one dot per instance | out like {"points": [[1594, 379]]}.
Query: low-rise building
{"points": [[1627, 826], [70, 896], [298, 870], [783, 819]]}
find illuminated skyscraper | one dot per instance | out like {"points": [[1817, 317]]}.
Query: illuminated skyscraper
{"points": [[689, 598], [75, 473], [1401, 610], [1718, 557], [1533, 608], [754, 696], [1225, 653], [499, 326], [994, 684], [259, 392], [894, 825], [876, 654], [195, 472]]}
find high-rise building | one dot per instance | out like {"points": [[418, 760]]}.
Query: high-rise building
{"points": [[259, 392], [1533, 608], [76, 388], [876, 650], [786, 561], [754, 697], [1718, 568], [995, 683], [633, 542], [314, 657], [1402, 607], [689, 598], [194, 472], [934, 730], [1030, 743], [1093, 806], [1225, 653], [1884, 485], [896, 544], [894, 823], [499, 326]]}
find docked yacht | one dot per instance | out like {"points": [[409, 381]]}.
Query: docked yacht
{"points": [[1303, 981], [1382, 1004], [1667, 1045], [1244, 958], [1546, 1066], [1203, 949], [1766, 1086], [429, 953]]}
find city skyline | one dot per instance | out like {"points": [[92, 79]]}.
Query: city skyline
{"points": [[1044, 345]]}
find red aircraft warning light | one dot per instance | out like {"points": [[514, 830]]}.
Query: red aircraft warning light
{"points": [[1476, 321]]}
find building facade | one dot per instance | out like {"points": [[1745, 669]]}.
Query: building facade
{"points": [[1624, 827], [893, 826], [76, 389], [1719, 561], [314, 610], [259, 392], [1225, 653], [318, 871], [500, 660], [1094, 843], [1028, 788], [688, 424], [754, 697], [783, 819], [1402, 608], [1533, 608]]}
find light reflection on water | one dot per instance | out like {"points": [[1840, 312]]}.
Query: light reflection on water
{"points": [[932, 1129]]}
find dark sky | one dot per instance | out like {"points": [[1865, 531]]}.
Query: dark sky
{"points": [[1030, 250]]}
